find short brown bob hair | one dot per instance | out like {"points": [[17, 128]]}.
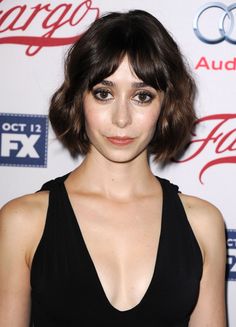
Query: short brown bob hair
{"points": [[156, 60]]}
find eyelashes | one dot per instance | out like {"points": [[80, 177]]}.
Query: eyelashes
{"points": [[102, 94], [141, 97]]}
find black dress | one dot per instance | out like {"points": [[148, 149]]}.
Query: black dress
{"points": [[66, 290]]}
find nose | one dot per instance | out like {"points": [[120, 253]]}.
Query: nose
{"points": [[121, 115]]}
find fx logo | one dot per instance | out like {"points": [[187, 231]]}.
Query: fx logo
{"points": [[23, 140], [231, 262]]}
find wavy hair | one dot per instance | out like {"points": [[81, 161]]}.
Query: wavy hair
{"points": [[155, 59]]}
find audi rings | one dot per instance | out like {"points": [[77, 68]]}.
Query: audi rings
{"points": [[224, 33]]}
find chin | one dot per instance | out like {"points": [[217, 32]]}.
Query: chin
{"points": [[119, 155], [122, 157]]}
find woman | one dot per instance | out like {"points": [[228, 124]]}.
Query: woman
{"points": [[110, 244]]}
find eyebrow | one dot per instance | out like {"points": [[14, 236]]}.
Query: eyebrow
{"points": [[134, 84]]}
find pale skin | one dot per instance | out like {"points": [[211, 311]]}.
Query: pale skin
{"points": [[121, 207]]}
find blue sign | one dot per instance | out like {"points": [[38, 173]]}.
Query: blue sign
{"points": [[23, 140], [231, 257]]}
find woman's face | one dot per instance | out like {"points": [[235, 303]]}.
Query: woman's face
{"points": [[121, 114]]}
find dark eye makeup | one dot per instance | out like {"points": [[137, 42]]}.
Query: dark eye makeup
{"points": [[143, 97], [140, 96], [102, 94]]}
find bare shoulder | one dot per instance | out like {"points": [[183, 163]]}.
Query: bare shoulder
{"points": [[206, 221], [202, 212], [22, 221], [24, 209], [208, 226]]}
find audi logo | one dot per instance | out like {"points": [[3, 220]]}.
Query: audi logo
{"points": [[225, 24]]}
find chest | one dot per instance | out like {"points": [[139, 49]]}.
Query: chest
{"points": [[122, 241]]}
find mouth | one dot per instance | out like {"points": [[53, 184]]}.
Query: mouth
{"points": [[120, 140]]}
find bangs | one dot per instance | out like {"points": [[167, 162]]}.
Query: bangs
{"points": [[155, 59], [144, 57]]}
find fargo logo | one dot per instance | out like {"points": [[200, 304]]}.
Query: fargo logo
{"points": [[37, 25], [23, 140], [231, 257], [215, 133]]}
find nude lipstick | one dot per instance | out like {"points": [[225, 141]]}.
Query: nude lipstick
{"points": [[118, 140]]}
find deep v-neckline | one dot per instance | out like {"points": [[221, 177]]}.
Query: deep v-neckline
{"points": [[155, 275]]}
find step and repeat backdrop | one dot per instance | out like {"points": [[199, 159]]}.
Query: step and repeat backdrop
{"points": [[34, 38]]}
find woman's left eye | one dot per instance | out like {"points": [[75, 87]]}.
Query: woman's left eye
{"points": [[143, 97]]}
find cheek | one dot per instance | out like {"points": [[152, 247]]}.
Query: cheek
{"points": [[94, 120], [155, 114], [89, 113], [150, 122]]}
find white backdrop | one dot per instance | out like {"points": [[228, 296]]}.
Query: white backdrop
{"points": [[34, 36]]}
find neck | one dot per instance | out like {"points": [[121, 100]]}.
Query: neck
{"points": [[120, 181]]}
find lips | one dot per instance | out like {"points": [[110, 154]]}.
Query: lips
{"points": [[120, 140]]}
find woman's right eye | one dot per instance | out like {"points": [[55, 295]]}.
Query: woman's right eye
{"points": [[102, 94]]}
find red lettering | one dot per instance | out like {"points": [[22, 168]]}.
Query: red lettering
{"points": [[84, 4], [52, 21], [55, 25], [205, 141], [231, 64], [223, 142], [220, 161], [215, 67], [37, 9], [231, 146], [202, 63], [18, 12], [46, 24]]}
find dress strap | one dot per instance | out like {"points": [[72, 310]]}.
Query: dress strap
{"points": [[179, 236], [50, 184]]}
